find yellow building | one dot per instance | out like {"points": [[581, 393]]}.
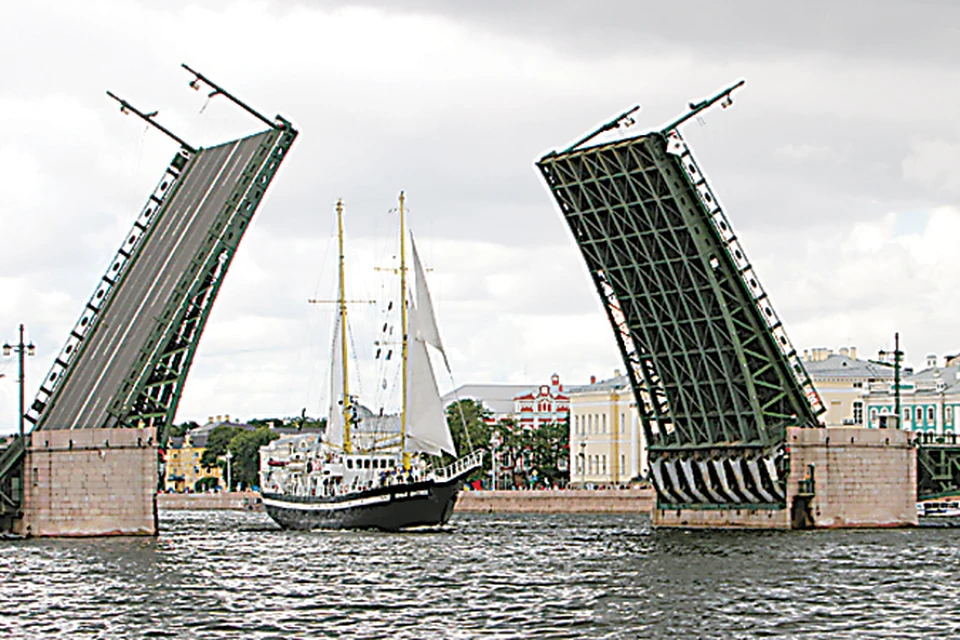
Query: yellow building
{"points": [[182, 469], [607, 446], [842, 381]]}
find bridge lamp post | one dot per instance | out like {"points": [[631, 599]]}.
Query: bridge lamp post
{"points": [[22, 350], [229, 457], [583, 464], [494, 443]]}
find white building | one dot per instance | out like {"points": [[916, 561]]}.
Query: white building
{"points": [[842, 380], [929, 401], [607, 446]]}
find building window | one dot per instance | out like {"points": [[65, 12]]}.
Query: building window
{"points": [[948, 415], [906, 414], [873, 416], [919, 414], [931, 416], [857, 412], [603, 462], [604, 419], [623, 423]]}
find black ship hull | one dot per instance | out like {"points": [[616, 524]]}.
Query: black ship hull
{"points": [[390, 508]]}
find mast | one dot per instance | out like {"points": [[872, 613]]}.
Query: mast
{"points": [[342, 301], [403, 332]]}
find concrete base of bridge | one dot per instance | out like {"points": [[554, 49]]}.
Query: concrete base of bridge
{"points": [[90, 482], [839, 477]]}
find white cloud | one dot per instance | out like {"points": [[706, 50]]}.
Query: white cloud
{"points": [[819, 164], [933, 164]]}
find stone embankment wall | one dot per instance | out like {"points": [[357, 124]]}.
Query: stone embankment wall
{"points": [[239, 500], [863, 478], [561, 501], [625, 501], [90, 482]]}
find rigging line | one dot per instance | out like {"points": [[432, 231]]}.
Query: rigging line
{"points": [[314, 344], [356, 359], [463, 417]]}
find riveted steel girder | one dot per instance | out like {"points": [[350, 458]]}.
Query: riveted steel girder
{"points": [[126, 361], [710, 363]]}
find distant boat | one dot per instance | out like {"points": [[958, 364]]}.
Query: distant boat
{"points": [[939, 509], [344, 480]]}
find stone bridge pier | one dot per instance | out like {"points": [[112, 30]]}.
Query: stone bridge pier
{"points": [[90, 482]]}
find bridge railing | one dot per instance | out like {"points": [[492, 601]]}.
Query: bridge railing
{"points": [[677, 146], [104, 290]]}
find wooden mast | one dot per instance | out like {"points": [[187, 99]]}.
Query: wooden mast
{"points": [[342, 301], [403, 332]]}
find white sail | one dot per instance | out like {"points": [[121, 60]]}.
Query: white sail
{"points": [[427, 330], [427, 428], [334, 434]]}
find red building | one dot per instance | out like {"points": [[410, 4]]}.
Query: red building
{"points": [[543, 404]]}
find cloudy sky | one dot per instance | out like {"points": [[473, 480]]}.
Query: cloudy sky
{"points": [[837, 166]]}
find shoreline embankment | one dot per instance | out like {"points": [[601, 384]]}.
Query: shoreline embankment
{"points": [[543, 501]]}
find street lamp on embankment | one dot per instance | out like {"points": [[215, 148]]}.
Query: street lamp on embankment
{"points": [[22, 350]]}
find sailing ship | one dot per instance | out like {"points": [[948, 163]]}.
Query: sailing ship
{"points": [[348, 479]]}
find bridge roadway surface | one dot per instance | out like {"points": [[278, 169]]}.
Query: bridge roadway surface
{"points": [[145, 292]]}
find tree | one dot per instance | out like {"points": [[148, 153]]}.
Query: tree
{"points": [[550, 444], [470, 416], [209, 482], [245, 450], [217, 443], [175, 431]]}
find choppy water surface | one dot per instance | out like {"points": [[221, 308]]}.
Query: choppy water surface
{"points": [[235, 575]]}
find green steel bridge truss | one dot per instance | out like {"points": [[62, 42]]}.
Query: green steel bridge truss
{"points": [[184, 239], [715, 376]]}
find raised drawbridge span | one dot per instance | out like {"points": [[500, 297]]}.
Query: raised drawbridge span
{"points": [[715, 376], [126, 360]]}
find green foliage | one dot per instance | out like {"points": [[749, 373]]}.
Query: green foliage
{"points": [[476, 415], [217, 443], [175, 431], [245, 448], [541, 449], [203, 484]]}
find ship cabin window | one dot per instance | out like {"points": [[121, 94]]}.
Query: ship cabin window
{"points": [[349, 463]]}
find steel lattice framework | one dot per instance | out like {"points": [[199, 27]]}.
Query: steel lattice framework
{"points": [[127, 358], [714, 374]]}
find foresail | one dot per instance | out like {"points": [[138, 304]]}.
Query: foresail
{"points": [[334, 433], [426, 320], [427, 429]]}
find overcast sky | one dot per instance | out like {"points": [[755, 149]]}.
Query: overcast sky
{"points": [[837, 166]]}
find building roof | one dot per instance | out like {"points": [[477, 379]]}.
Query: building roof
{"points": [[496, 397], [616, 382], [925, 382], [836, 366]]}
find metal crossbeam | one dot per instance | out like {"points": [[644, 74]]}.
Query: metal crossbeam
{"points": [[126, 362], [938, 470], [711, 367]]}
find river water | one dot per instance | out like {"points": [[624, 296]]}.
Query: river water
{"points": [[235, 575]]}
